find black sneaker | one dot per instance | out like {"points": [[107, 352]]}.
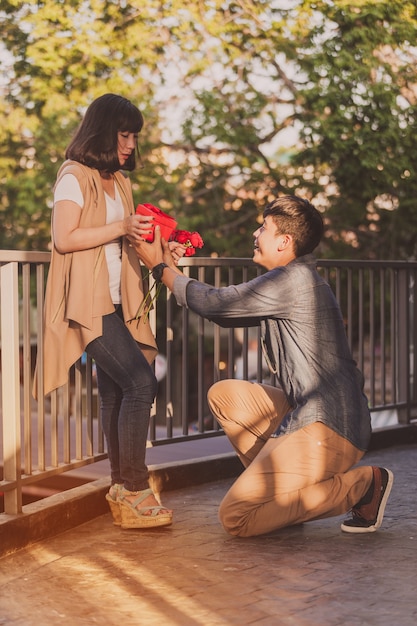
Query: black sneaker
{"points": [[367, 516]]}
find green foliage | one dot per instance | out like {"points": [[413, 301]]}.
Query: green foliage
{"points": [[220, 84], [359, 123]]}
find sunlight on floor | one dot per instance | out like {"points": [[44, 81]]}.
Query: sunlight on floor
{"points": [[119, 589]]}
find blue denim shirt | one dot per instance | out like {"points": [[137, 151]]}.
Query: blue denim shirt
{"points": [[304, 340]]}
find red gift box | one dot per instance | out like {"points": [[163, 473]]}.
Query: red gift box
{"points": [[166, 223]]}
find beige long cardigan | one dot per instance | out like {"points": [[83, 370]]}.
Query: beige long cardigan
{"points": [[77, 291]]}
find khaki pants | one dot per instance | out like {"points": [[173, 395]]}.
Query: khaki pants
{"points": [[289, 479]]}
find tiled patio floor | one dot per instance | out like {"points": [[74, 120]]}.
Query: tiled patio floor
{"points": [[193, 574]]}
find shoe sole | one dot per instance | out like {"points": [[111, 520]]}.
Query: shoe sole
{"points": [[115, 510], [152, 522], [381, 511], [132, 518]]}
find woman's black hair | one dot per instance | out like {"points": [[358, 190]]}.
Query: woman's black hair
{"points": [[95, 141]]}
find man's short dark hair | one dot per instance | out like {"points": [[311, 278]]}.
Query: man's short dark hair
{"points": [[297, 217]]}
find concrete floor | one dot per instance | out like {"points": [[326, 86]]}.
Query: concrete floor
{"points": [[194, 574]]}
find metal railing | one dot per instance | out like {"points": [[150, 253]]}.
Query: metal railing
{"points": [[62, 432]]}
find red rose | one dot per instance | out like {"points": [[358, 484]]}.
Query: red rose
{"points": [[191, 240]]}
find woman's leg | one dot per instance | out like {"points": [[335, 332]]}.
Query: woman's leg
{"points": [[298, 477], [110, 398], [249, 414], [127, 387]]}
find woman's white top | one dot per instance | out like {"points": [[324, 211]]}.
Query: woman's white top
{"points": [[68, 188]]}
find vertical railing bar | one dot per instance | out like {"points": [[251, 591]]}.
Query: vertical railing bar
{"points": [[261, 362], [337, 286], [260, 359], [41, 435], [152, 321], [185, 370], [230, 335], [40, 280], [245, 354], [403, 336], [78, 391], [54, 429], [216, 334], [245, 339], [382, 338], [349, 311], [169, 351], [217, 338], [413, 340], [394, 292], [200, 362], [170, 411], [361, 320], [407, 347], [372, 336], [26, 332], [228, 366], [184, 405], [89, 417], [66, 406], [9, 298]]}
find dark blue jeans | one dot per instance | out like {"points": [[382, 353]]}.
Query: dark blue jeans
{"points": [[127, 387]]}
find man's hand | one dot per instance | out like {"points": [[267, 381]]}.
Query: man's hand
{"points": [[176, 249], [152, 254]]}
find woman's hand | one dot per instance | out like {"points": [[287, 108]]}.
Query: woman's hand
{"points": [[69, 237], [137, 227]]}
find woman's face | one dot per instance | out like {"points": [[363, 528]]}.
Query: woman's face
{"points": [[126, 144]]}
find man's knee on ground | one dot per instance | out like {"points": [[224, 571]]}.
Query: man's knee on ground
{"points": [[230, 521]]}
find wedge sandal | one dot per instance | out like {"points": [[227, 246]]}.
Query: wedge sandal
{"points": [[144, 517], [112, 498]]}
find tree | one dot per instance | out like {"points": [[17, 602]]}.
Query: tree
{"points": [[220, 84], [359, 124], [63, 55]]}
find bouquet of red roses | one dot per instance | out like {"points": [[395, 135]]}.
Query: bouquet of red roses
{"points": [[190, 240], [167, 224]]}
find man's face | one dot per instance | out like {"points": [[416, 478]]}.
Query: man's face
{"points": [[266, 244], [271, 248]]}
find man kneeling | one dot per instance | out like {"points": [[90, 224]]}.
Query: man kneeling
{"points": [[320, 413]]}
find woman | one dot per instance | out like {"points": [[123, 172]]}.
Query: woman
{"points": [[94, 291]]}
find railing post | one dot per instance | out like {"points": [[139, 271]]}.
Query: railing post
{"points": [[9, 297], [403, 346]]}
